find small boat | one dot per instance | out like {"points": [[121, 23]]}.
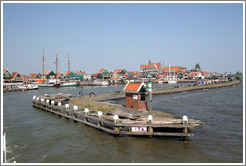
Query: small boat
{"points": [[103, 83], [69, 84], [172, 81], [45, 85], [31, 87]]}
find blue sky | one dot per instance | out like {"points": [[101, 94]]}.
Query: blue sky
{"points": [[122, 36]]}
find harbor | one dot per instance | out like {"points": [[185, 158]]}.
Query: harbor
{"points": [[214, 112], [121, 83]]}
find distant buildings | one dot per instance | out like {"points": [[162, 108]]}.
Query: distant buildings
{"points": [[155, 71], [151, 70]]}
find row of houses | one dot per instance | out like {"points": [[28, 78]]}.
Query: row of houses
{"points": [[16, 77], [150, 70]]}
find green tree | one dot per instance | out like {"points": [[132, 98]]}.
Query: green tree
{"points": [[197, 66]]}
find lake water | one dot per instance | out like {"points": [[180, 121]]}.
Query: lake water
{"points": [[36, 136]]}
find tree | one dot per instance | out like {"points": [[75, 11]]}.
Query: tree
{"points": [[197, 66]]}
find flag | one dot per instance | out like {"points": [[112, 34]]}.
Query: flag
{"points": [[67, 55]]}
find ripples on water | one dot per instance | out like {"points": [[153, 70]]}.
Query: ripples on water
{"points": [[35, 136]]}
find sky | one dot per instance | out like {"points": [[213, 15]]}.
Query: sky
{"points": [[122, 35]]}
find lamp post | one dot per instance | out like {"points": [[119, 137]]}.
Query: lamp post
{"points": [[150, 93]]}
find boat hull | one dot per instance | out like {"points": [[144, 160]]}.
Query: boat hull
{"points": [[172, 81], [69, 84], [45, 85]]}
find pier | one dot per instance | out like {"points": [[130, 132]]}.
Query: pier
{"points": [[119, 120]]}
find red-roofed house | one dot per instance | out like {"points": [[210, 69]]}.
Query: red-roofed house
{"points": [[16, 78], [61, 76], [119, 73], [33, 77], [7, 74], [133, 74], [152, 69], [135, 95], [103, 74]]}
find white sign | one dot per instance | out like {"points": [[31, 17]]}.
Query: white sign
{"points": [[139, 129], [135, 97]]}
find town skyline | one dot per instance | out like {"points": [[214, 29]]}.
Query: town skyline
{"points": [[116, 36]]}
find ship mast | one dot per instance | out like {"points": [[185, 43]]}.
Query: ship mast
{"points": [[43, 65], [68, 64], [56, 64]]}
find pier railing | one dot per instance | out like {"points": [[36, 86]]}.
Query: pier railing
{"points": [[115, 124]]}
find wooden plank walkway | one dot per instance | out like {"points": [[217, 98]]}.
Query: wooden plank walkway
{"points": [[156, 127]]}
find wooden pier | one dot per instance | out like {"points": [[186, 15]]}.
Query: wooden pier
{"points": [[120, 121]]}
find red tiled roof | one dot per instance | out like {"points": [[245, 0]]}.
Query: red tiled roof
{"points": [[67, 73], [172, 69], [156, 65], [117, 70], [101, 71], [58, 74], [33, 75], [134, 86], [94, 75], [14, 74], [144, 66], [47, 73]]}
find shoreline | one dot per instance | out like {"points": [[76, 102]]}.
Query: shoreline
{"points": [[120, 96]]}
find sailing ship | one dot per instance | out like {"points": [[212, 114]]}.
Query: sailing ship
{"points": [[171, 78], [57, 84]]}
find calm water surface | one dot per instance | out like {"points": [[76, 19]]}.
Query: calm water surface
{"points": [[36, 136]]}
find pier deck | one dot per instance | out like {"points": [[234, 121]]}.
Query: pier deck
{"points": [[119, 120]]}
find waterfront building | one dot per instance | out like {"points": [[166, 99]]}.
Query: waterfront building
{"points": [[119, 73], [151, 69], [133, 74], [15, 78], [94, 76], [49, 75], [196, 74], [33, 77], [136, 95], [74, 76], [172, 71], [103, 74], [6, 74], [61, 76]]}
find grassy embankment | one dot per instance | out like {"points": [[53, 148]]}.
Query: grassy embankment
{"points": [[86, 102]]}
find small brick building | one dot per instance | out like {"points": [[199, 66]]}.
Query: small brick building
{"points": [[135, 95]]}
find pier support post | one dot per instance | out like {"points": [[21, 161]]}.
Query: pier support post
{"points": [[150, 129], [186, 139]]}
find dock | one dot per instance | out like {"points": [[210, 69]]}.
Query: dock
{"points": [[116, 119]]}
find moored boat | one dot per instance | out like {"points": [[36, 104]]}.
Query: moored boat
{"points": [[69, 84], [45, 85]]}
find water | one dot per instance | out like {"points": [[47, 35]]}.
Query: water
{"points": [[36, 136]]}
